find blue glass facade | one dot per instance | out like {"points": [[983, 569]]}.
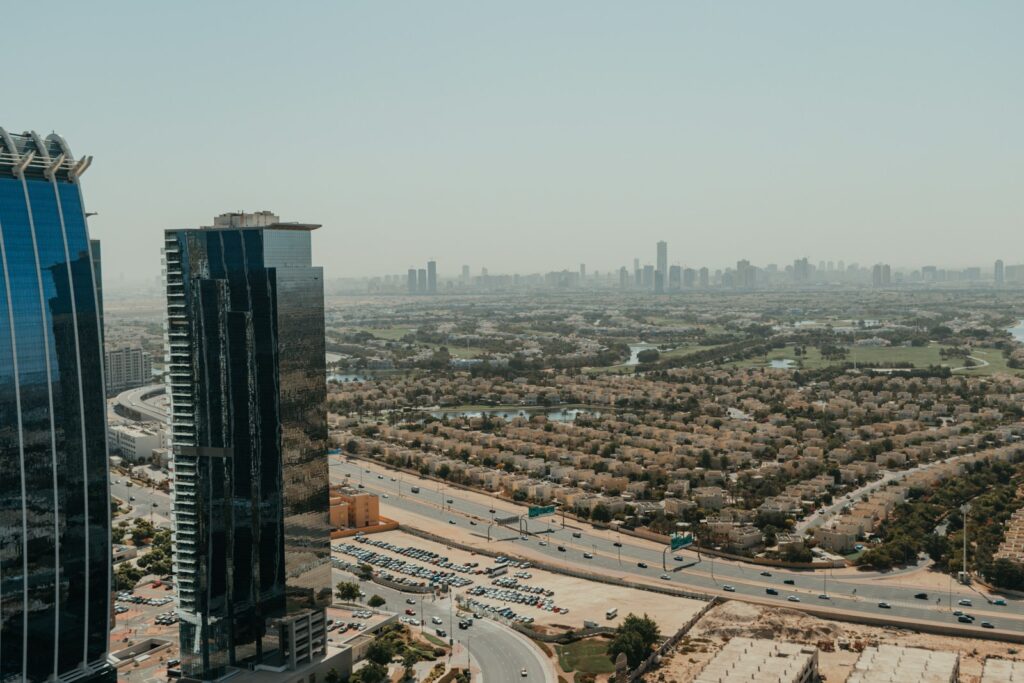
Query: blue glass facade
{"points": [[54, 504], [247, 386]]}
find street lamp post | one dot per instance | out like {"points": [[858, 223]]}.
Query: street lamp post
{"points": [[964, 509]]}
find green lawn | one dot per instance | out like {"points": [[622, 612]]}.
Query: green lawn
{"points": [[589, 655], [996, 363], [434, 640], [879, 356]]}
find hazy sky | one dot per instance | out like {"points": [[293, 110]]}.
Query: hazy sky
{"points": [[535, 135]]}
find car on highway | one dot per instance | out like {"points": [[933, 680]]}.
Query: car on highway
{"points": [[824, 596], [964, 602], [617, 544], [450, 501], [441, 633], [665, 577], [384, 495], [436, 620], [729, 589], [789, 582], [451, 521], [677, 558], [577, 534], [380, 476], [921, 596], [964, 619], [771, 591], [642, 565], [543, 544], [561, 548], [884, 605], [522, 672], [999, 601], [588, 556], [472, 523], [410, 601], [411, 612], [987, 624], [524, 538], [766, 573], [793, 598]]}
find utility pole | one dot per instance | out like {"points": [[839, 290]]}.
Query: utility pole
{"points": [[964, 509]]}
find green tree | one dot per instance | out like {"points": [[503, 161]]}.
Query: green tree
{"points": [[380, 651], [371, 673], [375, 601], [347, 591], [635, 637], [601, 514]]}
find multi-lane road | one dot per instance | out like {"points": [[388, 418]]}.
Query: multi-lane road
{"points": [[470, 514], [501, 653], [145, 501]]}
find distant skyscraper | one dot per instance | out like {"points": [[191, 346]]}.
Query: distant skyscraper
{"points": [[54, 485], [411, 281], [689, 277], [647, 280], [746, 275], [675, 277], [465, 274], [663, 260], [637, 273], [705, 278], [1000, 274], [245, 336], [659, 282], [421, 280], [432, 277], [881, 275], [623, 278], [583, 273]]}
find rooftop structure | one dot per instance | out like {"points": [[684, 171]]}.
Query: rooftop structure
{"points": [[764, 661], [1002, 671], [887, 663]]}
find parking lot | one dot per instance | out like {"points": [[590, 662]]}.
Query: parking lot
{"points": [[527, 594], [143, 613]]}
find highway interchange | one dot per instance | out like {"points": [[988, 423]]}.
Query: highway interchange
{"points": [[856, 594]]}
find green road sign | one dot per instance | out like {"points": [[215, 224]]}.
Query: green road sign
{"points": [[682, 541], [540, 511]]}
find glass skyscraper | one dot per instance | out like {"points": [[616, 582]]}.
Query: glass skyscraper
{"points": [[247, 382], [54, 493]]}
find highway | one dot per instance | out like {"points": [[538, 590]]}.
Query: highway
{"points": [[854, 593], [499, 652]]}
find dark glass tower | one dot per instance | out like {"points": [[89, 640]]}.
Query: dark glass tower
{"points": [[54, 501], [247, 380]]}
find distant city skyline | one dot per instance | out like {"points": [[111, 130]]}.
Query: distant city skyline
{"points": [[481, 133]]}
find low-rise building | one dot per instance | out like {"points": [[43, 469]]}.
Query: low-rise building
{"points": [[895, 664], [748, 659], [353, 509], [1002, 671]]}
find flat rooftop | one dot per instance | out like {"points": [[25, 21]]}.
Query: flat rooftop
{"points": [[765, 661], [891, 663], [1002, 671]]}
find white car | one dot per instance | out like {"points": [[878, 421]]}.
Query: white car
{"points": [[522, 672]]}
